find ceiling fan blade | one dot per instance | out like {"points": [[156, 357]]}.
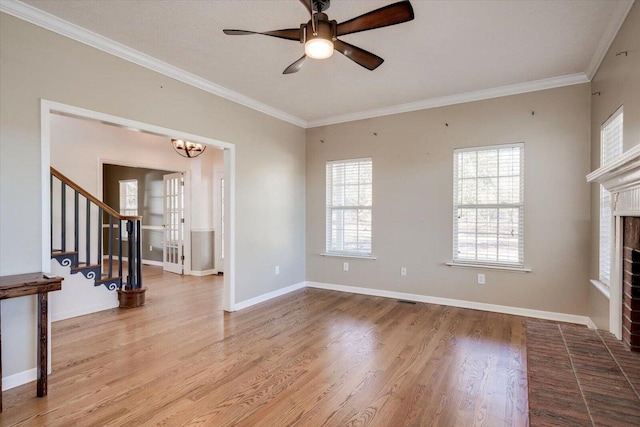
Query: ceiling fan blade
{"points": [[307, 4], [295, 67], [360, 56], [392, 14], [289, 34]]}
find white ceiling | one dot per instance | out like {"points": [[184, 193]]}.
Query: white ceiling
{"points": [[452, 51]]}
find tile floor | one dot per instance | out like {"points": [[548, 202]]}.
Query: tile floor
{"points": [[580, 377]]}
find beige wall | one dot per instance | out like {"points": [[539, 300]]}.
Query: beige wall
{"points": [[412, 199], [270, 167], [618, 81]]}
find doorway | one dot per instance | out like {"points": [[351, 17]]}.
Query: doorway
{"points": [[48, 108], [173, 239]]}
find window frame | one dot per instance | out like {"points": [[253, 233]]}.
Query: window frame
{"points": [[122, 195], [330, 208], [457, 204], [605, 207]]}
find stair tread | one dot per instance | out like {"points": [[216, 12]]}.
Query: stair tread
{"points": [[59, 252]]}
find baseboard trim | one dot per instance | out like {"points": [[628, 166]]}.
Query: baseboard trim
{"points": [[266, 297], [144, 261], [203, 272], [84, 310], [590, 324], [18, 379], [516, 311]]}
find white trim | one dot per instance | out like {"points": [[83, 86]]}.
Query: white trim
{"points": [[48, 107], [144, 261], [204, 272], [490, 147], [591, 324], [618, 16], [229, 291], [619, 176], [621, 173], [616, 286], [82, 35], [45, 161], [488, 267], [479, 95], [339, 255], [516, 311], [199, 230], [18, 379], [143, 227], [604, 289], [269, 295]]}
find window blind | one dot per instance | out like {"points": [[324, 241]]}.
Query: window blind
{"points": [[129, 197], [348, 207], [610, 148], [488, 209]]}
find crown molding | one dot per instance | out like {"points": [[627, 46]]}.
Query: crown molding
{"points": [[480, 95], [620, 12], [57, 25], [82, 35]]}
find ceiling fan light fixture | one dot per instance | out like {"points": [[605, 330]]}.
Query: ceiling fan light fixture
{"points": [[318, 48]]}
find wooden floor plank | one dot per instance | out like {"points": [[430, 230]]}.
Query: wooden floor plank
{"points": [[309, 358]]}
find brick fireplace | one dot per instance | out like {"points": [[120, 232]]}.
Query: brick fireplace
{"points": [[631, 282], [622, 178]]}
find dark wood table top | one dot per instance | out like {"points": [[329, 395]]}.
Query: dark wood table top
{"points": [[19, 285]]}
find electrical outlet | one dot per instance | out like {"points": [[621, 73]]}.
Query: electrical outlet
{"points": [[481, 280], [403, 271], [150, 248], [345, 266], [277, 269]]}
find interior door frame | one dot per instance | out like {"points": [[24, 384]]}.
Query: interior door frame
{"points": [[51, 107], [187, 199], [184, 214], [217, 194]]}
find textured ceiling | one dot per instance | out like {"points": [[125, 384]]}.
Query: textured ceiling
{"points": [[451, 48]]}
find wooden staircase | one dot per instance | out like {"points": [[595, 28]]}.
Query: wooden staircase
{"points": [[73, 210]]}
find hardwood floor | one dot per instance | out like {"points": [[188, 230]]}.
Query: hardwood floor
{"points": [[309, 358]]}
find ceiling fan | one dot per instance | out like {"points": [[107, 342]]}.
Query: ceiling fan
{"points": [[320, 35]]}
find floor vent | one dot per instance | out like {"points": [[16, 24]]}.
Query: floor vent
{"points": [[406, 302]]}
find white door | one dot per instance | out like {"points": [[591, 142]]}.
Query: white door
{"points": [[173, 222], [219, 218]]}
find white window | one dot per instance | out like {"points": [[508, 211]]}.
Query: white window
{"points": [[610, 147], [349, 203], [488, 205], [129, 197]]}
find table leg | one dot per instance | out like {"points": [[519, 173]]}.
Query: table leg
{"points": [[43, 330]]}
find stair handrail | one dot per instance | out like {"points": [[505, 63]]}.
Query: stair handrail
{"points": [[133, 229], [91, 197]]}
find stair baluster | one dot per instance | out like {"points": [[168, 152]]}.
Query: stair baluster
{"points": [[72, 259]]}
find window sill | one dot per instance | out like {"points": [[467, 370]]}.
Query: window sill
{"points": [[602, 288], [348, 256], [488, 267]]}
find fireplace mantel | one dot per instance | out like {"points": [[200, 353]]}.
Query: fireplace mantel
{"points": [[621, 177], [622, 174]]}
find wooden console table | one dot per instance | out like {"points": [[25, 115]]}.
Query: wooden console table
{"points": [[22, 285]]}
